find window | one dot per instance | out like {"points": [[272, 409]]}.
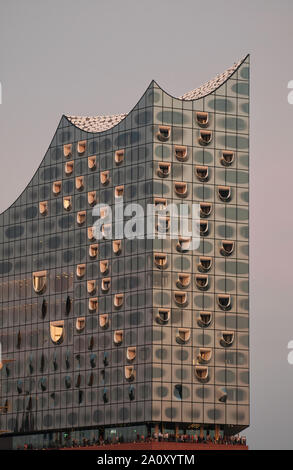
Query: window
{"points": [[104, 212], [80, 324], [202, 172], [119, 190], [118, 300], [224, 301], [78, 381], [183, 244], [183, 280], [160, 203], [160, 260], [205, 318], [91, 198], [205, 209], [119, 157], [80, 270], [201, 372], [163, 316], [164, 133], [131, 353], [205, 355], [39, 281], [117, 247], [202, 281], [105, 177], [67, 203], [227, 247], [205, 263], [163, 169], [79, 183], [129, 373], [227, 338], [227, 158], [68, 305], [91, 380], [93, 304], [92, 162], [67, 150], [44, 308], [18, 339], [181, 153], [106, 283], [69, 168], [203, 227], [224, 193], [43, 207], [104, 266], [181, 189], [205, 137], [81, 146], [57, 331], [93, 250], [163, 224], [202, 118], [118, 337], [57, 185], [105, 396], [104, 320], [80, 217], [106, 231], [90, 233], [131, 393], [91, 343], [183, 335], [180, 298], [178, 391], [91, 287]]}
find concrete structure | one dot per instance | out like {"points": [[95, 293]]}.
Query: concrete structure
{"points": [[127, 337]]}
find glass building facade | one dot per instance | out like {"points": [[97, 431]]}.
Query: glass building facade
{"points": [[147, 334]]}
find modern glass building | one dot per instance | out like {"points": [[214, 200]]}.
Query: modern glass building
{"points": [[119, 336]]}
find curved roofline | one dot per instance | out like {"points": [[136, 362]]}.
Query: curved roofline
{"points": [[229, 73], [123, 116], [202, 91]]}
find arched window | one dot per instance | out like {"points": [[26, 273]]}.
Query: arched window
{"points": [[43, 207], [81, 146], [181, 153], [67, 150], [163, 316], [202, 173], [183, 280], [181, 189], [205, 263], [118, 337], [92, 162], [163, 169], [181, 298], [183, 335], [164, 133], [119, 156], [205, 318], [39, 281], [205, 137], [57, 331], [202, 118]]}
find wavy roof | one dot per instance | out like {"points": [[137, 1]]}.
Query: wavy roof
{"points": [[103, 123]]}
